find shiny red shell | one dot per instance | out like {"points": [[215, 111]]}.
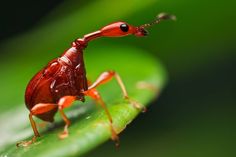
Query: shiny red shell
{"points": [[63, 76]]}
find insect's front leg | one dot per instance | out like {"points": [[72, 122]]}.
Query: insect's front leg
{"points": [[106, 77]]}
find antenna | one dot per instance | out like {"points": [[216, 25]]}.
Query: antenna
{"points": [[159, 18]]}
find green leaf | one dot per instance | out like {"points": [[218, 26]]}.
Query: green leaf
{"points": [[47, 40], [90, 126]]}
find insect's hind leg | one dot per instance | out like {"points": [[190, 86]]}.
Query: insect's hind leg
{"points": [[37, 109], [94, 94]]}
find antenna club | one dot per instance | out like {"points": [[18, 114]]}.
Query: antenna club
{"points": [[159, 18], [166, 16]]}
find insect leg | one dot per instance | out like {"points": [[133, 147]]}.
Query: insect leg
{"points": [[94, 94], [106, 77], [37, 109], [64, 102]]}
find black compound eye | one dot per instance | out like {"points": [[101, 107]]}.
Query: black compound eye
{"points": [[124, 27]]}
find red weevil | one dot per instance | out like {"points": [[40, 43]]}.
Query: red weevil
{"points": [[64, 81]]}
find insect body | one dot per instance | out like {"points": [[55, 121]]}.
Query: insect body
{"points": [[64, 81]]}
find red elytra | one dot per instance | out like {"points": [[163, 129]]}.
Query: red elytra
{"points": [[64, 81]]}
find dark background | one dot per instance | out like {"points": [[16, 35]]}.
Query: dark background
{"points": [[195, 114], [19, 16]]}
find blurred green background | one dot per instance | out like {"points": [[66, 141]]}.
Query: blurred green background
{"points": [[195, 115]]}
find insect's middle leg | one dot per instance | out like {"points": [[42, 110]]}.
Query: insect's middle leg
{"points": [[41, 108], [64, 102], [94, 94]]}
